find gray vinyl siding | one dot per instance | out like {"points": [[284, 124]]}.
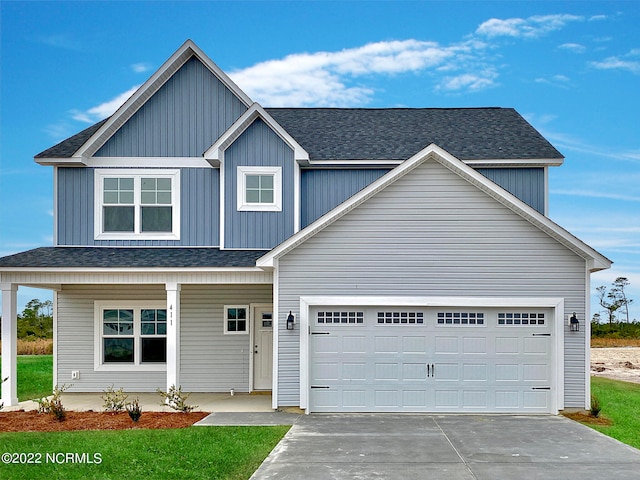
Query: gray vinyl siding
{"points": [[182, 119], [525, 183], [431, 233], [210, 360], [76, 342], [199, 216], [323, 190], [258, 146]]}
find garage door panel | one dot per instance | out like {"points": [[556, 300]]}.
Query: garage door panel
{"points": [[430, 367], [446, 344], [354, 371], [536, 345], [474, 372], [474, 345], [354, 344], [386, 344]]}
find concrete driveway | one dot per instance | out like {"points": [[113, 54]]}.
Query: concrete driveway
{"points": [[447, 447]]}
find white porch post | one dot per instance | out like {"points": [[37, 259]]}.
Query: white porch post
{"points": [[9, 343], [173, 334]]}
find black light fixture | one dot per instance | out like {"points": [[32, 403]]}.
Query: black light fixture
{"points": [[290, 321], [574, 324]]}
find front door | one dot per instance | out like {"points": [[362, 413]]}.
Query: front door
{"points": [[262, 347]]}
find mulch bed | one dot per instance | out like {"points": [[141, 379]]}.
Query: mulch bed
{"points": [[32, 421], [584, 417]]}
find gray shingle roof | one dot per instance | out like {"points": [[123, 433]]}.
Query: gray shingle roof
{"points": [[393, 133], [399, 133], [93, 257], [66, 148]]}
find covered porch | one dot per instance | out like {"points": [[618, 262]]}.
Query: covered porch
{"points": [[193, 307]]}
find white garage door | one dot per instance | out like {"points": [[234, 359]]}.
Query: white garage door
{"points": [[394, 359]]}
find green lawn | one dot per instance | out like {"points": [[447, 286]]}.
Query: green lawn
{"points": [[193, 453], [620, 403], [35, 376]]}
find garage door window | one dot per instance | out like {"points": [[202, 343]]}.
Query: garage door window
{"points": [[460, 318], [515, 319], [401, 318], [341, 318]]}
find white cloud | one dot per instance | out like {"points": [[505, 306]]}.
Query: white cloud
{"points": [[573, 47], [103, 110], [595, 194], [561, 81], [623, 62], [329, 78], [531, 27], [141, 67]]}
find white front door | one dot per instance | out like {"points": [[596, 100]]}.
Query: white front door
{"points": [[262, 347]]}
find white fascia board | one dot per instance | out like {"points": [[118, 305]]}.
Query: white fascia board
{"points": [[147, 162], [60, 162], [376, 300], [214, 153], [519, 163], [171, 270], [458, 167], [488, 163], [146, 91]]}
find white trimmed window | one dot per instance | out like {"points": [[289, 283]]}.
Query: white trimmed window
{"points": [[236, 319], [137, 204], [130, 335], [259, 189]]}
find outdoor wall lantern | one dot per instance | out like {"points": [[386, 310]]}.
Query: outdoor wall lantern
{"points": [[290, 321], [574, 324]]}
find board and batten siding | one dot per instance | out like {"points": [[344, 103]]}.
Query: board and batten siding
{"points": [[199, 204], [182, 119], [322, 190], [525, 183], [210, 360], [258, 145], [431, 234]]}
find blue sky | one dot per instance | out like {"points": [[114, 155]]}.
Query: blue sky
{"points": [[571, 68]]}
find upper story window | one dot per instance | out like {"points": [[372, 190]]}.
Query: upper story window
{"points": [[259, 189], [132, 204]]}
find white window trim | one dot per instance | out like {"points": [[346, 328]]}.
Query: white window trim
{"points": [[247, 319], [243, 205], [137, 174], [137, 306]]}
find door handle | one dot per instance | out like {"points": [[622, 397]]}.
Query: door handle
{"points": [[433, 369], [428, 371]]}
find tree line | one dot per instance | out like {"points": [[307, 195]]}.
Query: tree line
{"points": [[36, 320]]}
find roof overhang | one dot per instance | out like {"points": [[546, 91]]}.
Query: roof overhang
{"points": [[595, 260]]}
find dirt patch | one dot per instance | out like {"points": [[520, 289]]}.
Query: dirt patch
{"points": [[21, 421], [616, 363], [584, 417]]}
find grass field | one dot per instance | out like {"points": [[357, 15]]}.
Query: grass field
{"points": [[620, 403], [35, 376], [615, 342], [194, 453]]}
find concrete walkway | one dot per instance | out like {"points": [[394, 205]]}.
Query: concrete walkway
{"points": [[447, 447], [150, 402]]}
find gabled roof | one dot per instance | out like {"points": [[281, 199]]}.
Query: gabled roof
{"points": [[595, 260], [94, 137], [118, 257], [215, 152]]}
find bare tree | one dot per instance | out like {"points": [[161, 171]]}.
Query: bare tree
{"points": [[609, 302], [618, 287]]}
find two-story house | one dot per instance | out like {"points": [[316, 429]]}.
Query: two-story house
{"points": [[347, 260]]}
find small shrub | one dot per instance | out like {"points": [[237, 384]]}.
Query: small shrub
{"points": [[134, 410], [53, 405], [176, 399], [595, 406], [114, 400], [2, 380]]}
